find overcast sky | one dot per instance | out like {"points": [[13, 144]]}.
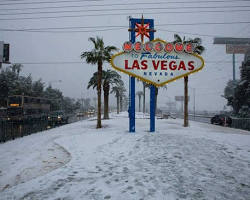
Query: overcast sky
{"points": [[40, 34]]}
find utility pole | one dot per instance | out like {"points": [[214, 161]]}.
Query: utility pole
{"points": [[233, 66], [185, 101], [234, 46], [1, 53]]}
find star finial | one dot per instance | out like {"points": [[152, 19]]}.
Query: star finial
{"points": [[142, 29]]}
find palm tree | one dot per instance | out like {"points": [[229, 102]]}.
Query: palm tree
{"points": [[109, 77], [199, 50], [156, 95], [122, 96], [98, 55], [139, 94], [145, 85], [93, 82], [118, 90]]}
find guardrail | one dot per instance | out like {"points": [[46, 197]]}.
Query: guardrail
{"points": [[13, 129], [240, 123]]}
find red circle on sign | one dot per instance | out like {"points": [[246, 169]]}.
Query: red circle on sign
{"points": [[169, 47], [127, 46], [148, 46], [158, 47], [179, 47], [138, 46], [189, 48]]}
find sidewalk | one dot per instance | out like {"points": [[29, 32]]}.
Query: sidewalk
{"points": [[77, 161]]}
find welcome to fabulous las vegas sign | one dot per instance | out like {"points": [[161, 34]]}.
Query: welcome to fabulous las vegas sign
{"points": [[157, 62]]}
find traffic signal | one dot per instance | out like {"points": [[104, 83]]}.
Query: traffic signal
{"points": [[6, 53]]}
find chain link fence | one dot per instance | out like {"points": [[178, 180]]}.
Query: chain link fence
{"points": [[11, 129], [241, 123], [14, 129]]}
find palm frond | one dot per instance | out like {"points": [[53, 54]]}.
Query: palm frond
{"points": [[177, 38], [111, 48], [199, 49], [90, 57], [93, 81], [94, 42], [197, 40], [100, 43]]}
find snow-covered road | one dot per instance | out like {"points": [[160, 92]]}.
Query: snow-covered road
{"points": [[77, 161]]}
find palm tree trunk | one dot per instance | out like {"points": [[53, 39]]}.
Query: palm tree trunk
{"points": [[144, 91], [99, 95], [186, 101], [120, 103], [117, 103], [139, 103], [106, 103]]}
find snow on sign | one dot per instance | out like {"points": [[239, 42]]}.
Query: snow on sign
{"points": [[157, 62]]}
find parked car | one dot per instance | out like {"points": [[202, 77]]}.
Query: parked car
{"points": [[58, 118], [223, 120]]}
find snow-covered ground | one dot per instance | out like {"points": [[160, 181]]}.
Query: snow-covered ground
{"points": [[76, 161]]}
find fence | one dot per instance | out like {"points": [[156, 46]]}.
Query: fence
{"points": [[241, 123], [14, 129], [11, 129]]}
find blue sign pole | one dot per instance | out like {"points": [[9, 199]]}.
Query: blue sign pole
{"points": [[152, 88], [132, 24], [132, 85], [152, 108], [132, 105]]}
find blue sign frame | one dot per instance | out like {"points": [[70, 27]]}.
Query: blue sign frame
{"points": [[132, 24]]}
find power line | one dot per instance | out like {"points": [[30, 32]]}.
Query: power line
{"points": [[189, 33], [12, 0], [118, 14], [41, 31], [198, 34], [78, 62], [51, 63], [221, 61], [46, 2], [122, 4], [117, 27], [203, 23], [121, 9], [63, 28]]}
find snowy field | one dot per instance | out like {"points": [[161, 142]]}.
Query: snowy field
{"points": [[76, 161]]}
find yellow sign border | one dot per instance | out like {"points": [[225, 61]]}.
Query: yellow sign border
{"points": [[150, 82]]}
